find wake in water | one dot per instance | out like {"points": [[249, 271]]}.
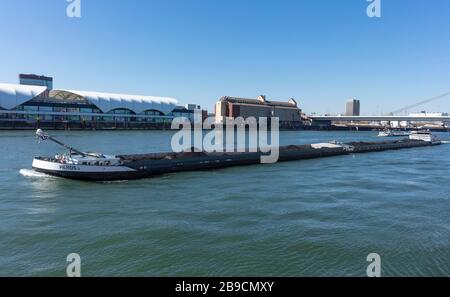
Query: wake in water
{"points": [[445, 141], [33, 174], [114, 181]]}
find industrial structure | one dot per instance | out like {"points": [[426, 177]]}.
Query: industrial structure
{"points": [[34, 103], [288, 112]]}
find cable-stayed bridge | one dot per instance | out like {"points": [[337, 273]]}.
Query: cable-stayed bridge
{"points": [[392, 116]]}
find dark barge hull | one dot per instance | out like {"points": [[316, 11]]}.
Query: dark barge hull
{"points": [[149, 165], [96, 177]]}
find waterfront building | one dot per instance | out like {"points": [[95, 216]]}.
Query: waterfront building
{"points": [[431, 114], [31, 106], [288, 112], [353, 108]]}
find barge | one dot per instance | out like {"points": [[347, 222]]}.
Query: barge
{"points": [[98, 167]]}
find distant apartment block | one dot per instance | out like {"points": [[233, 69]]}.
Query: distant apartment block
{"points": [[36, 80], [353, 108]]}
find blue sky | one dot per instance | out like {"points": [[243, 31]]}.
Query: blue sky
{"points": [[320, 52]]}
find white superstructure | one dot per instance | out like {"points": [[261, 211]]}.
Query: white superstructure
{"points": [[76, 161], [424, 136]]}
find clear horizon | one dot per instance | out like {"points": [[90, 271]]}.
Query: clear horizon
{"points": [[319, 52]]}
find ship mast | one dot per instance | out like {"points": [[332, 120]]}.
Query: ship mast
{"points": [[41, 135]]}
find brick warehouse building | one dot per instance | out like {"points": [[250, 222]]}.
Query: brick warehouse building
{"points": [[232, 107]]}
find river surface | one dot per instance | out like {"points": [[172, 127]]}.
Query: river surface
{"points": [[318, 217]]}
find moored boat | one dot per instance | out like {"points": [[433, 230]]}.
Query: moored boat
{"points": [[424, 136], [393, 133]]}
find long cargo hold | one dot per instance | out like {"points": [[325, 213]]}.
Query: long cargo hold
{"points": [[98, 167]]}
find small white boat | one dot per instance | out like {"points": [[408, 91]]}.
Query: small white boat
{"points": [[393, 133], [424, 136]]}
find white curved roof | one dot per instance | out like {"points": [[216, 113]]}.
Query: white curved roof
{"points": [[12, 95], [107, 102]]}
